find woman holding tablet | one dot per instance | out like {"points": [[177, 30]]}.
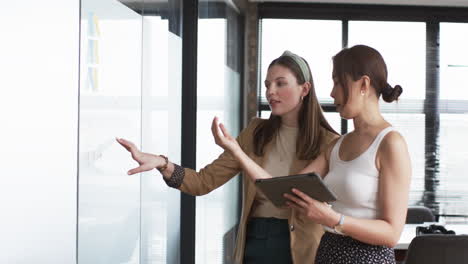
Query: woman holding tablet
{"points": [[369, 169], [266, 234]]}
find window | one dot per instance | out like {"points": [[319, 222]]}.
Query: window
{"points": [[130, 88], [314, 40], [402, 45], [110, 106], [452, 189]]}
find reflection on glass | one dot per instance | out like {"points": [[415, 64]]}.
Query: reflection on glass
{"points": [[402, 44], [218, 95], [110, 91], [453, 61], [317, 44]]}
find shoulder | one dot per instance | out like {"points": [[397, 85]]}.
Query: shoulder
{"points": [[393, 159], [253, 124], [393, 147], [255, 121], [246, 135], [393, 141]]}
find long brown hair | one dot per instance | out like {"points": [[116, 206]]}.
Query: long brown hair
{"points": [[361, 60], [310, 118]]}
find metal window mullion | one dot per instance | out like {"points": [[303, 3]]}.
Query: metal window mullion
{"points": [[432, 116], [345, 36], [189, 125]]}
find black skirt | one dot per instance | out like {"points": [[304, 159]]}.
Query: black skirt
{"points": [[267, 242], [338, 249]]}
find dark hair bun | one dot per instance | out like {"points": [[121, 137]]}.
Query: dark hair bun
{"points": [[390, 94]]}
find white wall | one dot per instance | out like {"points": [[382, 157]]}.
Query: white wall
{"points": [[39, 51]]}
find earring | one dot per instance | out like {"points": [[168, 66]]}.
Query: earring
{"points": [[362, 92], [302, 98]]}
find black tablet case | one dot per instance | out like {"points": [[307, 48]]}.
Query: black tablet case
{"points": [[310, 184]]}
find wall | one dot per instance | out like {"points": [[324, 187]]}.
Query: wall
{"points": [[39, 128]]}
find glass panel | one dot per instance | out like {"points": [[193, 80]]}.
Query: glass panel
{"points": [[402, 44], [161, 128], [453, 61], [218, 95], [452, 193], [317, 45], [39, 117], [110, 106]]}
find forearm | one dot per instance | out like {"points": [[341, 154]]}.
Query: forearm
{"points": [[250, 167], [374, 232]]}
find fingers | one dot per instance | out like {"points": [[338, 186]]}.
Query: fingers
{"points": [[215, 130], [296, 200], [303, 196], [224, 130], [214, 124], [138, 170], [132, 171], [295, 206], [128, 145], [122, 142]]}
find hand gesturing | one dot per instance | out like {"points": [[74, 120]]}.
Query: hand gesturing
{"points": [[147, 161], [223, 138]]}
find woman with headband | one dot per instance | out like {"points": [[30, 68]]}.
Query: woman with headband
{"points": [[369, 168], [284, 144]]}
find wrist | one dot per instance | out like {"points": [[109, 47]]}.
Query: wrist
{"points": [[165, 163], [237, 153], [334, 219], [339, 227]]}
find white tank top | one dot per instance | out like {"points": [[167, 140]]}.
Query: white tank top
{"points": [[355, 182]]}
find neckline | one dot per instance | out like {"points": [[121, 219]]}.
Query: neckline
{"points": [[366, 150], [289, 128]]}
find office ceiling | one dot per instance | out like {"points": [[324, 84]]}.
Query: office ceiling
{"points": [[460, 3]]}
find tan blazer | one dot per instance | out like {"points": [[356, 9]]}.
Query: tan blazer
{"points": [[305, 235]]}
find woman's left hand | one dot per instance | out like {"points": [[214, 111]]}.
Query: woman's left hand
{"points": [[223, 138], [318, 212]]}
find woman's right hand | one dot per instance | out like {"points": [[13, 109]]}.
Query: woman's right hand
{"points": [[147, 161]]}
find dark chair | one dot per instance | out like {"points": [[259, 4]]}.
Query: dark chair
{"points": [[419, 215], [438, 249]]}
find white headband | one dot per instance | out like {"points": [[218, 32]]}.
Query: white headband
{"points": [[301, 63]]}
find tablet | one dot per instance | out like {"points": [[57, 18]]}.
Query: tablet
{"points": [[310, 184]]}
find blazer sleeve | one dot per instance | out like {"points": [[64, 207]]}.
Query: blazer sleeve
{"points": [[221, 170]]}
